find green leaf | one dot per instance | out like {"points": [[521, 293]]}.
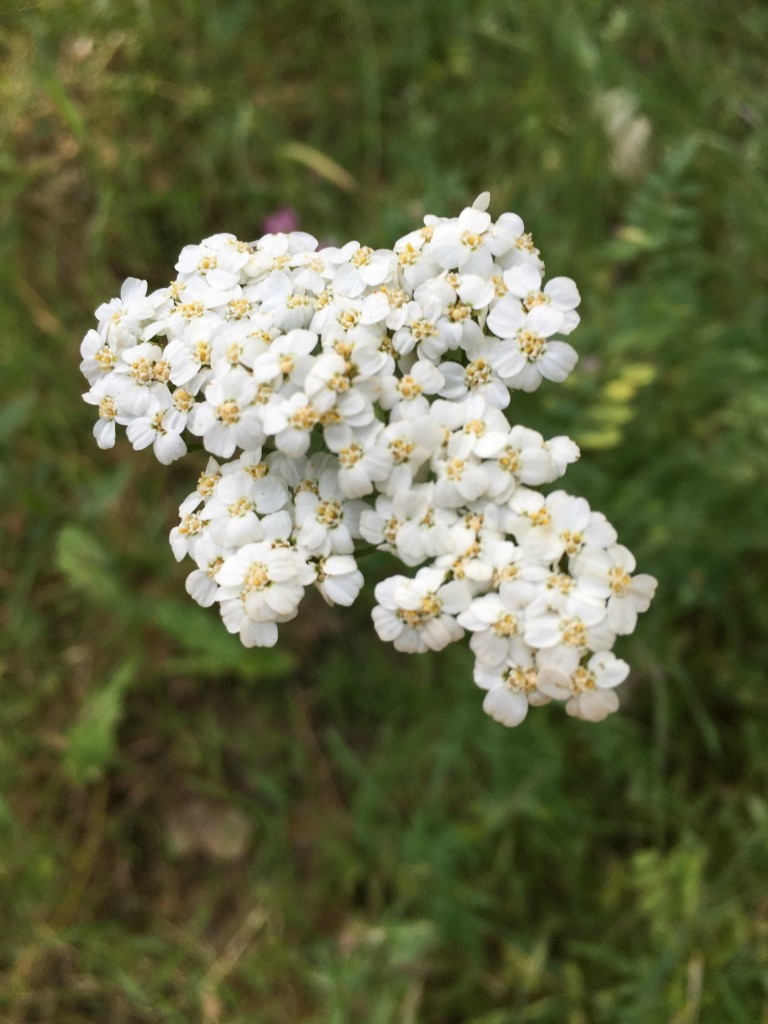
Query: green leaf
{"points": [[91, 741], [210, 649], [14, 414], [88, 567], [323, 165]]}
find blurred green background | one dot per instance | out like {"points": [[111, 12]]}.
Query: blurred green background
{"points": [[328, 832]]}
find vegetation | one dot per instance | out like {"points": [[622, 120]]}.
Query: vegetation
{"points": [[328, 832]]}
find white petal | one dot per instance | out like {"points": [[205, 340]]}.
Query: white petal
{"points": [[622, 616], [609, 670], [284, 598], [544, 320], [506, 318], [201, 588], [563, 293], [557, 361], [104, 432], [476, 291], [169, 447], [505, 706], [387, 624], [141, 433], [594, 706], [258, 634], [507, 360]]}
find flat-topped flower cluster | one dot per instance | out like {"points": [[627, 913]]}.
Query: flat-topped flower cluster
{"points": [[352, 397]]}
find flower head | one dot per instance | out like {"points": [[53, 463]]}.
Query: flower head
{"points": [[358, 394]]}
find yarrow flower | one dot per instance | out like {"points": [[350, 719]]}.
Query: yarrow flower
{"points": [[353, 396]]}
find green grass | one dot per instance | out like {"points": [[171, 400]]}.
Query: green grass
{"points": [[329, 833]]}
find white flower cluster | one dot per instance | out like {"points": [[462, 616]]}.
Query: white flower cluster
{"points": [[352, 394]]}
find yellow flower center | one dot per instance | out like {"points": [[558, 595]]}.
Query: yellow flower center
{"points": [[575, 633], [395, 296], [190, 310], [329, 513], [422, 329], [454, 469], [409, 387], [510, 460], [390, 530], [306, 485], [238, 308], [162, 371], [240, 508], [560, 581], [344, 349], [459, 565], [182, 400], [190, 525], [507, 572], [619, 581], [521, 680], [305, 418], [350, 455], [541, 517], [349, 319], [477, 373], [431, 606], [362, 256], [201, 350], [322, 575], [206, 483], [234, 352], [409, 255], [582, 680], [572, 540], [401, 449], [107, 409], [214, 566], [106, 358], [505, 625], [459, 312], [256, 578], [228, 412], [143, 371], [531, 345]]}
